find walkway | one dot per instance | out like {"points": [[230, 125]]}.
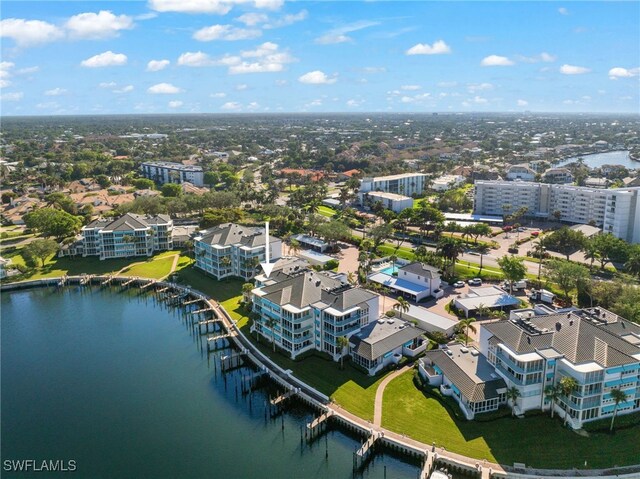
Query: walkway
{"points": [[377, 407]]}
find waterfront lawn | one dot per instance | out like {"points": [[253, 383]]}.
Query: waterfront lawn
{"points": [[537, 441], [156, 268]]}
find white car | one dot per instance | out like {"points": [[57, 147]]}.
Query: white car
{"points": [[458, 284], [475, 282]]}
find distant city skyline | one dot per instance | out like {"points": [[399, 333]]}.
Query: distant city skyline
{"points": [[271, 56]]}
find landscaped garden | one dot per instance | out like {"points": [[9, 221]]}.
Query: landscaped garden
{"points": [[538, 441]]}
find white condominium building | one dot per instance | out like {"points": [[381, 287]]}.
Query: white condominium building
{"points": [[390, 201], [234, 250], [616, 211], [405, 184], [170, 172]]}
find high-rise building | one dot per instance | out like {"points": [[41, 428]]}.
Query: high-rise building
{"points": [[616, 211]]}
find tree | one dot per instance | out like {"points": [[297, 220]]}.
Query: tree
{"points": [[171, 190], [449, 249], [402, 305], [482, 250], [565, 274], [567, 386], [342, 343], [379, 234], [246, 292], [618, 396], [565, 241], [479, 229], [552, 393], [53, 222], [513, 269], [103, 181], [633, 263], [467, 324], [271, 324], [294, 245], [513, 393], [211, 178], [39, 249], [334, 230], [610, 248], [144, 184]]}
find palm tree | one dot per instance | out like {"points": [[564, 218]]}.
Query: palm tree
{"points": [[618, 396], [352, 278], [466, 324], [130, 241], [552, 393], [225, 261], [513, 393], [539, 251], [567, 385], [294, 246], [393, 259], [482, 249], [450, 249], [498, 314], [592, 254], [246, 291], [402, 305], [342, 342], [271, 324], [483, 311]]}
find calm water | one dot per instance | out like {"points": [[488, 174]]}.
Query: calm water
{"points": [[610, 158], [117, 383]]}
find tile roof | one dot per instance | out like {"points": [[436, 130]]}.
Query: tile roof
{"points": [[471, 374], [421, 269], [379, 337], [228, 234], [576, 335], [299, 290]]}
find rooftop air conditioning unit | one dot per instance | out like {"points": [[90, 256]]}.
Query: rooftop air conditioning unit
{"points": [[464, 350]]}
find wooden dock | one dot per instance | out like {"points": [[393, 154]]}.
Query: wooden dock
{"points": [[219, 336], [107, 281], [203, 310], [365, 449], [427, 467], [162, 290], [127, 283], [191, 301], [317, 422], [150, 283], [283, 397]]}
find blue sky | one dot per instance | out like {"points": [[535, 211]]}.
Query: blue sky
{"points": [[217, 56]]}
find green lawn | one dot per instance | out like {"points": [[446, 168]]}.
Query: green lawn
{"points": [[153, 268], [326, 211], [536, 441], [465, 270]]}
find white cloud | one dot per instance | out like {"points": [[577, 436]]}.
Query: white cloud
{"points": [[241, 86], [27, 33], [157, 65], [480, 100], [254, 105], [316, 77], [339, 35], [563, 11], [12, 96], [231, 105], [619, 72], [496, 61], [286, 20], [316, 102], [372, 70], [354, 103], [573, 70], [542, 57], [218, 95], [175, 104], [55, 92], [447, 84], [225, 32], [252, 19], [146, 16], [522, 102], [281, 82], [410, 87], [106, 59], [439, 47], [268, 59], [475, 87], [164, 89], [103, 24], [124, 89], [28, 70], [5, 73], [195, 59], [109, 85], [219, 7]]}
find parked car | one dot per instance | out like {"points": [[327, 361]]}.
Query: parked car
{"points": [[535, 233], [517, 286], [475, 282], [458, 284]]}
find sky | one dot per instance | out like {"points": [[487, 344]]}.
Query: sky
{"points": [[242, 56]]}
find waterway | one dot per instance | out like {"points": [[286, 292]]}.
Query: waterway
{"points": [[118, 383], [597, 160]]}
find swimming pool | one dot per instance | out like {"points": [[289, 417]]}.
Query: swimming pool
{"points": [[389, 270]]}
